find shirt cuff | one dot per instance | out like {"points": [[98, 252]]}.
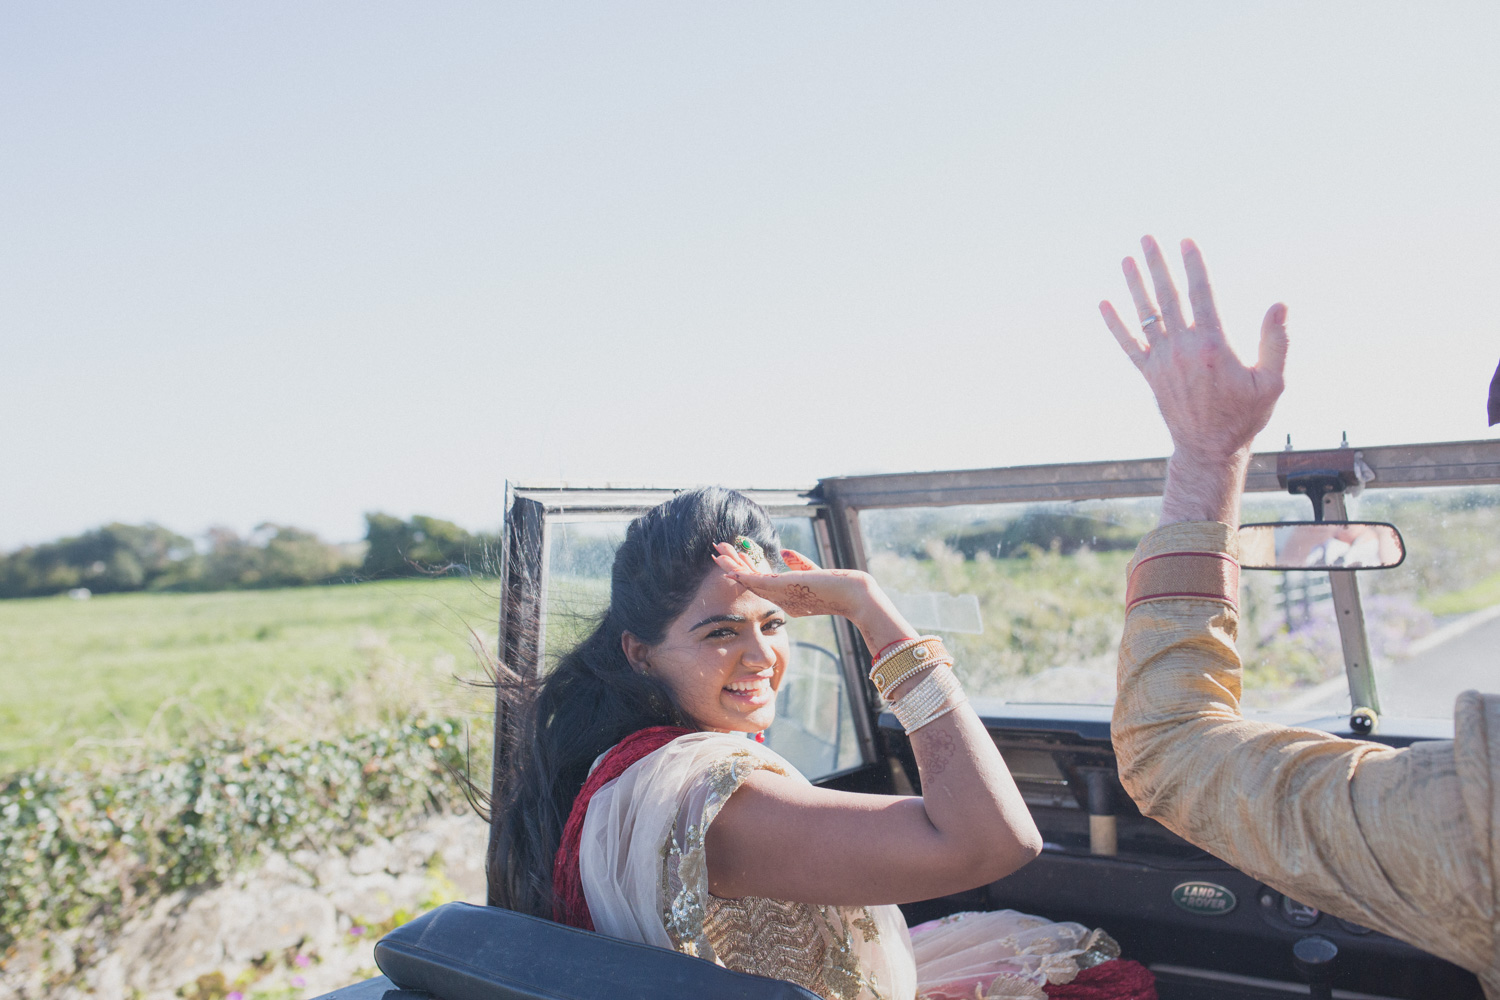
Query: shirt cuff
{"points": [[1192, 559]]}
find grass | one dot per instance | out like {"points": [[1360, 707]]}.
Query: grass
{"points": [[1041, 611], [88, 679], [1484, 594], [84, 679]]}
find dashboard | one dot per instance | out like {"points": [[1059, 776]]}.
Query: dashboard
{"points": [[1205, 928]]}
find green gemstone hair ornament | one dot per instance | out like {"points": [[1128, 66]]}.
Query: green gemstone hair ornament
{"points": [[757, 554]]}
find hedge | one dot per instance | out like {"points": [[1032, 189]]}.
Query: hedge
{"points": [[76, 846]]}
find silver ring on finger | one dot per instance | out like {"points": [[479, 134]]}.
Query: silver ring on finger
{"points": [[1149, 320]]}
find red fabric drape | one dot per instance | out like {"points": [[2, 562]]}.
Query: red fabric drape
{"points": [[1120, 979], [568, 905]]}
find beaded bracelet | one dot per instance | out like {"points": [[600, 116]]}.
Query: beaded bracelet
{"points": [[911, 657], [938, 694], [891, 649], [915, 669], [961, 699], [889, 646]]}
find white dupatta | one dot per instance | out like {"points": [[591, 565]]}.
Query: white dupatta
{"points": [[645, 878]]}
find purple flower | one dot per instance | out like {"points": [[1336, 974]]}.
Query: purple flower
{"points": [[357, 930], [302, 962], [298, 981], [236, 995]]}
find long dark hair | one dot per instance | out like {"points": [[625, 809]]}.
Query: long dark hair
{"points": [[593, 698]]}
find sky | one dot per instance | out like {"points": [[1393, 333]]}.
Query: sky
{"points": [[293, 262]]}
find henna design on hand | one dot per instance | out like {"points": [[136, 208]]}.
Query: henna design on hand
{"points": [[938, 748], [800, 602]]}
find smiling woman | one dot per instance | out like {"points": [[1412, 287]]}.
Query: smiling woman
{"points": [[632, 803], [595, 696], [726, 667]]}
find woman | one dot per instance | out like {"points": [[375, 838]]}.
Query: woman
{"points": [[635, 806]]}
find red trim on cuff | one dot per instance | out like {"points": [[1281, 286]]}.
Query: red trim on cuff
{"points": [[1212, 576]]}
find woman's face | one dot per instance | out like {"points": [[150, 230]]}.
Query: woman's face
{"points": [[723, 657]]}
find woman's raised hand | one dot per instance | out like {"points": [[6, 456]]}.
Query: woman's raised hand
{"points": [[971, 828], [805, 590]]}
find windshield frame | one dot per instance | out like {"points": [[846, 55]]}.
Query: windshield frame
{"points": [[1456, 463], [834, 505]]}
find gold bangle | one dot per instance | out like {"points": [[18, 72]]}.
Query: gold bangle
{"points": [[901, 663], [917, 668], [894, 648]]}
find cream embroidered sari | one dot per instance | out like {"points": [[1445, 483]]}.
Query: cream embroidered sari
{"points": [[645, 877]]}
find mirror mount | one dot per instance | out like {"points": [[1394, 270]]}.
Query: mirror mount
{"points": [[1315, 474], [1315, 486]]}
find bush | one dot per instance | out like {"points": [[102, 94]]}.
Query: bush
{"points": [[76, 845], [423, 546], [124, 557], [116, 557]]}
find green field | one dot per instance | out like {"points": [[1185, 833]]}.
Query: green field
{"points": [[82, 681], [103, 677]]}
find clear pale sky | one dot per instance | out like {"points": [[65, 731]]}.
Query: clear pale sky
{"points": [[293, 262]]}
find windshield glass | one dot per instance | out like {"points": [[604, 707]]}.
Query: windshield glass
{"points": [[1289, 638], [1029, 597], [1433, 622], [814, 726]]}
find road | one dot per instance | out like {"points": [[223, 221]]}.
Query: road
{"points": [[1461, 655], [1426, 684]]}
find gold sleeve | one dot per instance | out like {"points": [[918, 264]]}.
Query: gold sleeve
{"points": [[1380, 836]]}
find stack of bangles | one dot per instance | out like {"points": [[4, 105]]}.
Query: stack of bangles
{"points": [[934, 696]]}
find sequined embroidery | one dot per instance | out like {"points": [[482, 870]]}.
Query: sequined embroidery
{"points": [[1007, 986], [810, 945], [1098, 949]]}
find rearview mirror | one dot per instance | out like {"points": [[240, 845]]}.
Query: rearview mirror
{"points": [[1293, 545]]}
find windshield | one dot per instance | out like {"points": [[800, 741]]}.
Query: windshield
{"points": [[1030, 597], [1433, 622]]}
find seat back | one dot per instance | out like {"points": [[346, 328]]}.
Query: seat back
{"points": [[464, 952]]}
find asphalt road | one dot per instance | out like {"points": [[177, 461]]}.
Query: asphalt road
{"points": [[1426, 684]]}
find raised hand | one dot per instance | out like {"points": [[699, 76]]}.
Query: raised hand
{"points": [[806, 590], [1213, 404]]}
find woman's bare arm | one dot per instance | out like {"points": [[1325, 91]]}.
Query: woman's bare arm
{"points": [[782, 839]]}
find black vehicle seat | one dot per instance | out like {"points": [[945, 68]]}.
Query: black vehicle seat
{"points": [[464, 952]]}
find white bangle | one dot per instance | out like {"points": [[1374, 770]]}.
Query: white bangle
{"points": [[961, 699], [902, 678], [935, 696]]}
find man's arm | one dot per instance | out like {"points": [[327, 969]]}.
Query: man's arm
{"points": [[1376, 835]]}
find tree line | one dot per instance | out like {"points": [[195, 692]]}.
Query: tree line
{"points": [[123, 557]]}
